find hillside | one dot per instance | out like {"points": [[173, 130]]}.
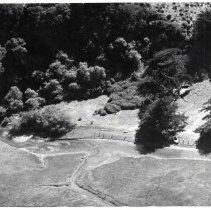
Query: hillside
{"points": [[193, 108], [182, 13], [126, 122]]}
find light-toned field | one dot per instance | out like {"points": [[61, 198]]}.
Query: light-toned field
{"points": [[84, 110], [193, 109], [101, 173]]}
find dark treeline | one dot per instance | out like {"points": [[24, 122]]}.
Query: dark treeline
{"points": [[36, 39]]}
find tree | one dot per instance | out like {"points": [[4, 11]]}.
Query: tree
{"points": [[200, 53], [204, 143], [56, 70], [14, 64], [13, 99], [123, 57], [29, 93], [98, 76], [33, 101], [166, 70], [159, 123], [52, 91], [10, 15], [83, 74]]}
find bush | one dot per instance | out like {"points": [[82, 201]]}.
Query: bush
{"points": [[124, 95], [101, 112], [47, 122], [112, 108]]}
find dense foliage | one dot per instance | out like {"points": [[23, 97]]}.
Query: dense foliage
{"points": [[47, 122], [159, 123], [200, 52], [204, 141], [63, 52], [54, 52]]}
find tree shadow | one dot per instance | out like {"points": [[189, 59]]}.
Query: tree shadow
{"points": [[203, 144], [144, 150], [150, 141]]}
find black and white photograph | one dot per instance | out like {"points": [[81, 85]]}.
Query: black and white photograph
{"points": [[105, 104]]}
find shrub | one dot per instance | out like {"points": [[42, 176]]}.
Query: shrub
{"points": [[101, 112], [47, 122], [112, 108], [124, 95]]}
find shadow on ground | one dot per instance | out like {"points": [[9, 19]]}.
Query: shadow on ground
{"points": [[203, 144]]}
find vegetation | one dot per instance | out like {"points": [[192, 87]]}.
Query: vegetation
{"points": [[204, 141], [47, 122], [134, 53], [159, 123]]}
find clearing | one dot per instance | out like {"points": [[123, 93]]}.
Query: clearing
{"points": [[104, 167]]}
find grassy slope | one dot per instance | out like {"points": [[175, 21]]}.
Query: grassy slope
{"points": [[200, 93], [125, 122]]}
